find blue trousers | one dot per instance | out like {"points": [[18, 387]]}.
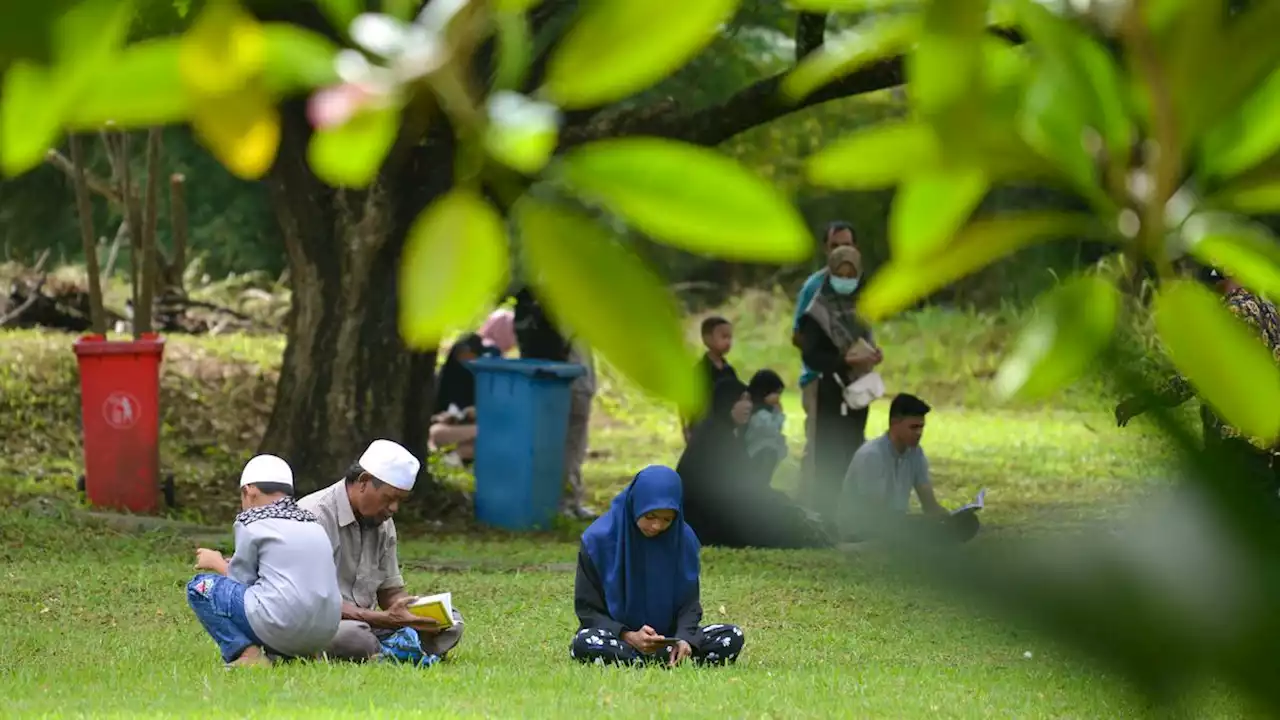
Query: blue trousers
{"points": [[218, 603]]}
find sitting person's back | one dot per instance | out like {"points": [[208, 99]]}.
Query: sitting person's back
{"points": [[725, 501], [453, 416], [279, 593]]}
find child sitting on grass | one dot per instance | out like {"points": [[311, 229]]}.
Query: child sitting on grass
{"points": [[278, 595], [766, 444]]}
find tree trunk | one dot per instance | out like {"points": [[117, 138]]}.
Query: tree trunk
{"points": [[346, 378]]}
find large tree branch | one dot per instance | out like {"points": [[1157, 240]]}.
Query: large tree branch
{"points": [[756, 104]]}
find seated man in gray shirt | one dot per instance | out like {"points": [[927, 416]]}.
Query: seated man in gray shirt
{"points": [[279, 593], [884, 472], [356, 512]]}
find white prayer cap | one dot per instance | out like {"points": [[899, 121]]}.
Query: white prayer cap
{"points": [[391, 463], [266, 469]]}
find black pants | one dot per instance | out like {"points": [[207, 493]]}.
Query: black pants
{"points": [[720, 644]]}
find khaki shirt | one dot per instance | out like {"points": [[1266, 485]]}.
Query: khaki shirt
{"points": [[367, 560]]}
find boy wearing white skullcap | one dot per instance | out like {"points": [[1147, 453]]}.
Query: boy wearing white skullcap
{"points": [[356, 511], [278, 595]]}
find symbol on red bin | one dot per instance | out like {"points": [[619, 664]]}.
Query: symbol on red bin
{"points": [[121, 410]]}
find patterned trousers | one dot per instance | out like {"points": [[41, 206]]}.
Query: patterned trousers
{"points": [[720, 645]]}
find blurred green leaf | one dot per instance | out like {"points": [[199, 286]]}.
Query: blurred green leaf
{"points": [[455, 263], [30, 116], [600, 291], [401, 9], [1213, 63], [341, 12], [1246, 136], [929, 207], [1223, 358], [522, 133], [849, 6], [1054, 128], [297, 59], [141, 86], [515, 48], [515, 6], [690, 197], [88, 32], [36, 98], [1246, 251], [351, 154], [900, 285], [875, 157], [618, 47], [1161, 13], [1258, 196], [944, 72], [1072, 324], [880, 38], [1083, 74]]}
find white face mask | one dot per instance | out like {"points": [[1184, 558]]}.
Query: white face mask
{"points": [[844, 286]]}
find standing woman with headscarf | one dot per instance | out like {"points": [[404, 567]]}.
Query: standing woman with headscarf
{"points": [[837, 344], [637, 591]]}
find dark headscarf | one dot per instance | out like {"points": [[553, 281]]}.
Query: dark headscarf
{"points": [[764, 383], [456, 385], [646, 579]]}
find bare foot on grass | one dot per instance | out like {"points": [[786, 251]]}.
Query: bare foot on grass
{"points": [[252, 657]]}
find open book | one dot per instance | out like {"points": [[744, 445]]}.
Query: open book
{"points": [[975, 505], [437, 607]]}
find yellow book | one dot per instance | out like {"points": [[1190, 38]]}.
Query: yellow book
{"points": [[437, 607]]}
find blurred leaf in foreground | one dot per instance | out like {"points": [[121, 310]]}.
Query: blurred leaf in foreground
{"points": [[1222, 357], [1072, 325], [598, 290], [900, 285], [619, 47], [455, 264], [689, 197], [1244, 250]]}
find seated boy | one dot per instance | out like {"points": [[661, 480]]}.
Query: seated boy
{"points": [[278, 595], [884, 472], [717, 337]]}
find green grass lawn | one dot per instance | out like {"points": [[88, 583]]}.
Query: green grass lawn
{"points": [[96, 624]]}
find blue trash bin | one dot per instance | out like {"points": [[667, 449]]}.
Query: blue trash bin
{"points": [[522, 417]]}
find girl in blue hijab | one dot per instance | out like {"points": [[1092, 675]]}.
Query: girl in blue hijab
{"points": [[636, 592]]}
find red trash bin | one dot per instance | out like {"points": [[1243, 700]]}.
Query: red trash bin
{"points": [[120, 410]]}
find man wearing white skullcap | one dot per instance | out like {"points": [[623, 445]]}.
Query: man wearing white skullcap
{"points": [[278, 595], [356, 512]]}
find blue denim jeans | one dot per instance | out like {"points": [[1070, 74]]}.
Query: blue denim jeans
{"points": [[218, 603]]}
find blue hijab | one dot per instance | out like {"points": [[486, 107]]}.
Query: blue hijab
{"points": [[646, 580]]}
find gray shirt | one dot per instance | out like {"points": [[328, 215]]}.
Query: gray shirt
{"points": [[292, 603], [366, 557], [879, 483]]}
